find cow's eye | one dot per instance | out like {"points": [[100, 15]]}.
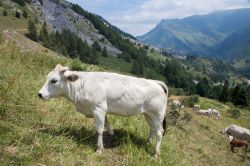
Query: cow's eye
{"points": [[53, 81]]}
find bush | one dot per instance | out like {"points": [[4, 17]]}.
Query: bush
{"points": [[17, 14], [76, 65], [173, 117], [5, 13], [25, 14], [235, 113], [191, 100], [187, 117]]}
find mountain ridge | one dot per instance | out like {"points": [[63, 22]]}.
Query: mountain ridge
{"points": [[198, 33]]}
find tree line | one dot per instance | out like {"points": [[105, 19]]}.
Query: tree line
{"points": [[239, 95], [66, 42]]}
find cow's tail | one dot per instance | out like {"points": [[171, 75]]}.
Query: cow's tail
{"points": [[164, 123]]}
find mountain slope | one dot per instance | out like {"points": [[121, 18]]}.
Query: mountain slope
{"points": [[59, 15], [199, 33], [236, 48]]}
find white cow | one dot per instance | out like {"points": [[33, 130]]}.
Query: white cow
{"points": [[96, 94], [238, 132], [204, 112], [215, 112], [196, 107], [176, 105]]}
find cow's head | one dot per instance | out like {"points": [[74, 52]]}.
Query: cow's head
{"points": [[57, 81]]}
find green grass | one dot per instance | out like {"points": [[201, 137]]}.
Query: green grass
{"points": [[35, 132], [11, 22], [115, 64]]}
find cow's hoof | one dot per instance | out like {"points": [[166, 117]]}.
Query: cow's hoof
{"points": [[98, 151], [157, 156]]}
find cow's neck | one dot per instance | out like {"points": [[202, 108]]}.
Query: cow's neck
{"points": [[70, 93]]}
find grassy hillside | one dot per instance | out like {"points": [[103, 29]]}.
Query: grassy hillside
{"points": [[38, 132]]}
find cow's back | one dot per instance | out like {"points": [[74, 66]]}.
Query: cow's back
{"points": [[239, 132]]}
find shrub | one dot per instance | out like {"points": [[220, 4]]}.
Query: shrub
{"points": [[5, 13], [173, 117], [25, 14], [187, 117], [235, 113], [17, 14], [76, 65], [191, 100]]}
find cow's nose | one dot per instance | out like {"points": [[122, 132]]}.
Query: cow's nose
{"points": [[40, 95]]}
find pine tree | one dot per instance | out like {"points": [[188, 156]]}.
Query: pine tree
{"points": [[225, 95], [32, 33], [97, 46], [137, 67], [17, 15], [203, 88], [5, 13], [45, 36], [235, 95], [105, 52], [248, 95], [25, 14], [242, 98]]}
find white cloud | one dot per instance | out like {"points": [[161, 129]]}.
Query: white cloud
{"points": [[144, 17]]}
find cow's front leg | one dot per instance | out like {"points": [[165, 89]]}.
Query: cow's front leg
{"points": [[99, 118]]}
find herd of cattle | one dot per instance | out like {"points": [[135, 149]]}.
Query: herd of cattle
{"points": [[176, 105], [238, 136], [96, 94]]}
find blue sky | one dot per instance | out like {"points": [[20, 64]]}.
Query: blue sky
{"points": [[137, 17]]}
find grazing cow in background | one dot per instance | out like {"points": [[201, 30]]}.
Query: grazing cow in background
{"points": [[176, 105], [215, 112], [196, 107], [235, 142], [237, 132], [204, 112], [96, 94]]}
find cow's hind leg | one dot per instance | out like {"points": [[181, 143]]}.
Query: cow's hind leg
{"points": [[232, 148], [99, 118], [151, 132], [158, 128], [108, 126]]}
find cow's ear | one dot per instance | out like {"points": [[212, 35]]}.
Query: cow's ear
{"points": [[63, 69], [72, 77], [58, 66]]}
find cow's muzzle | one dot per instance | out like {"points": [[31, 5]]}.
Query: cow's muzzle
{"points": [[40, 95]]}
